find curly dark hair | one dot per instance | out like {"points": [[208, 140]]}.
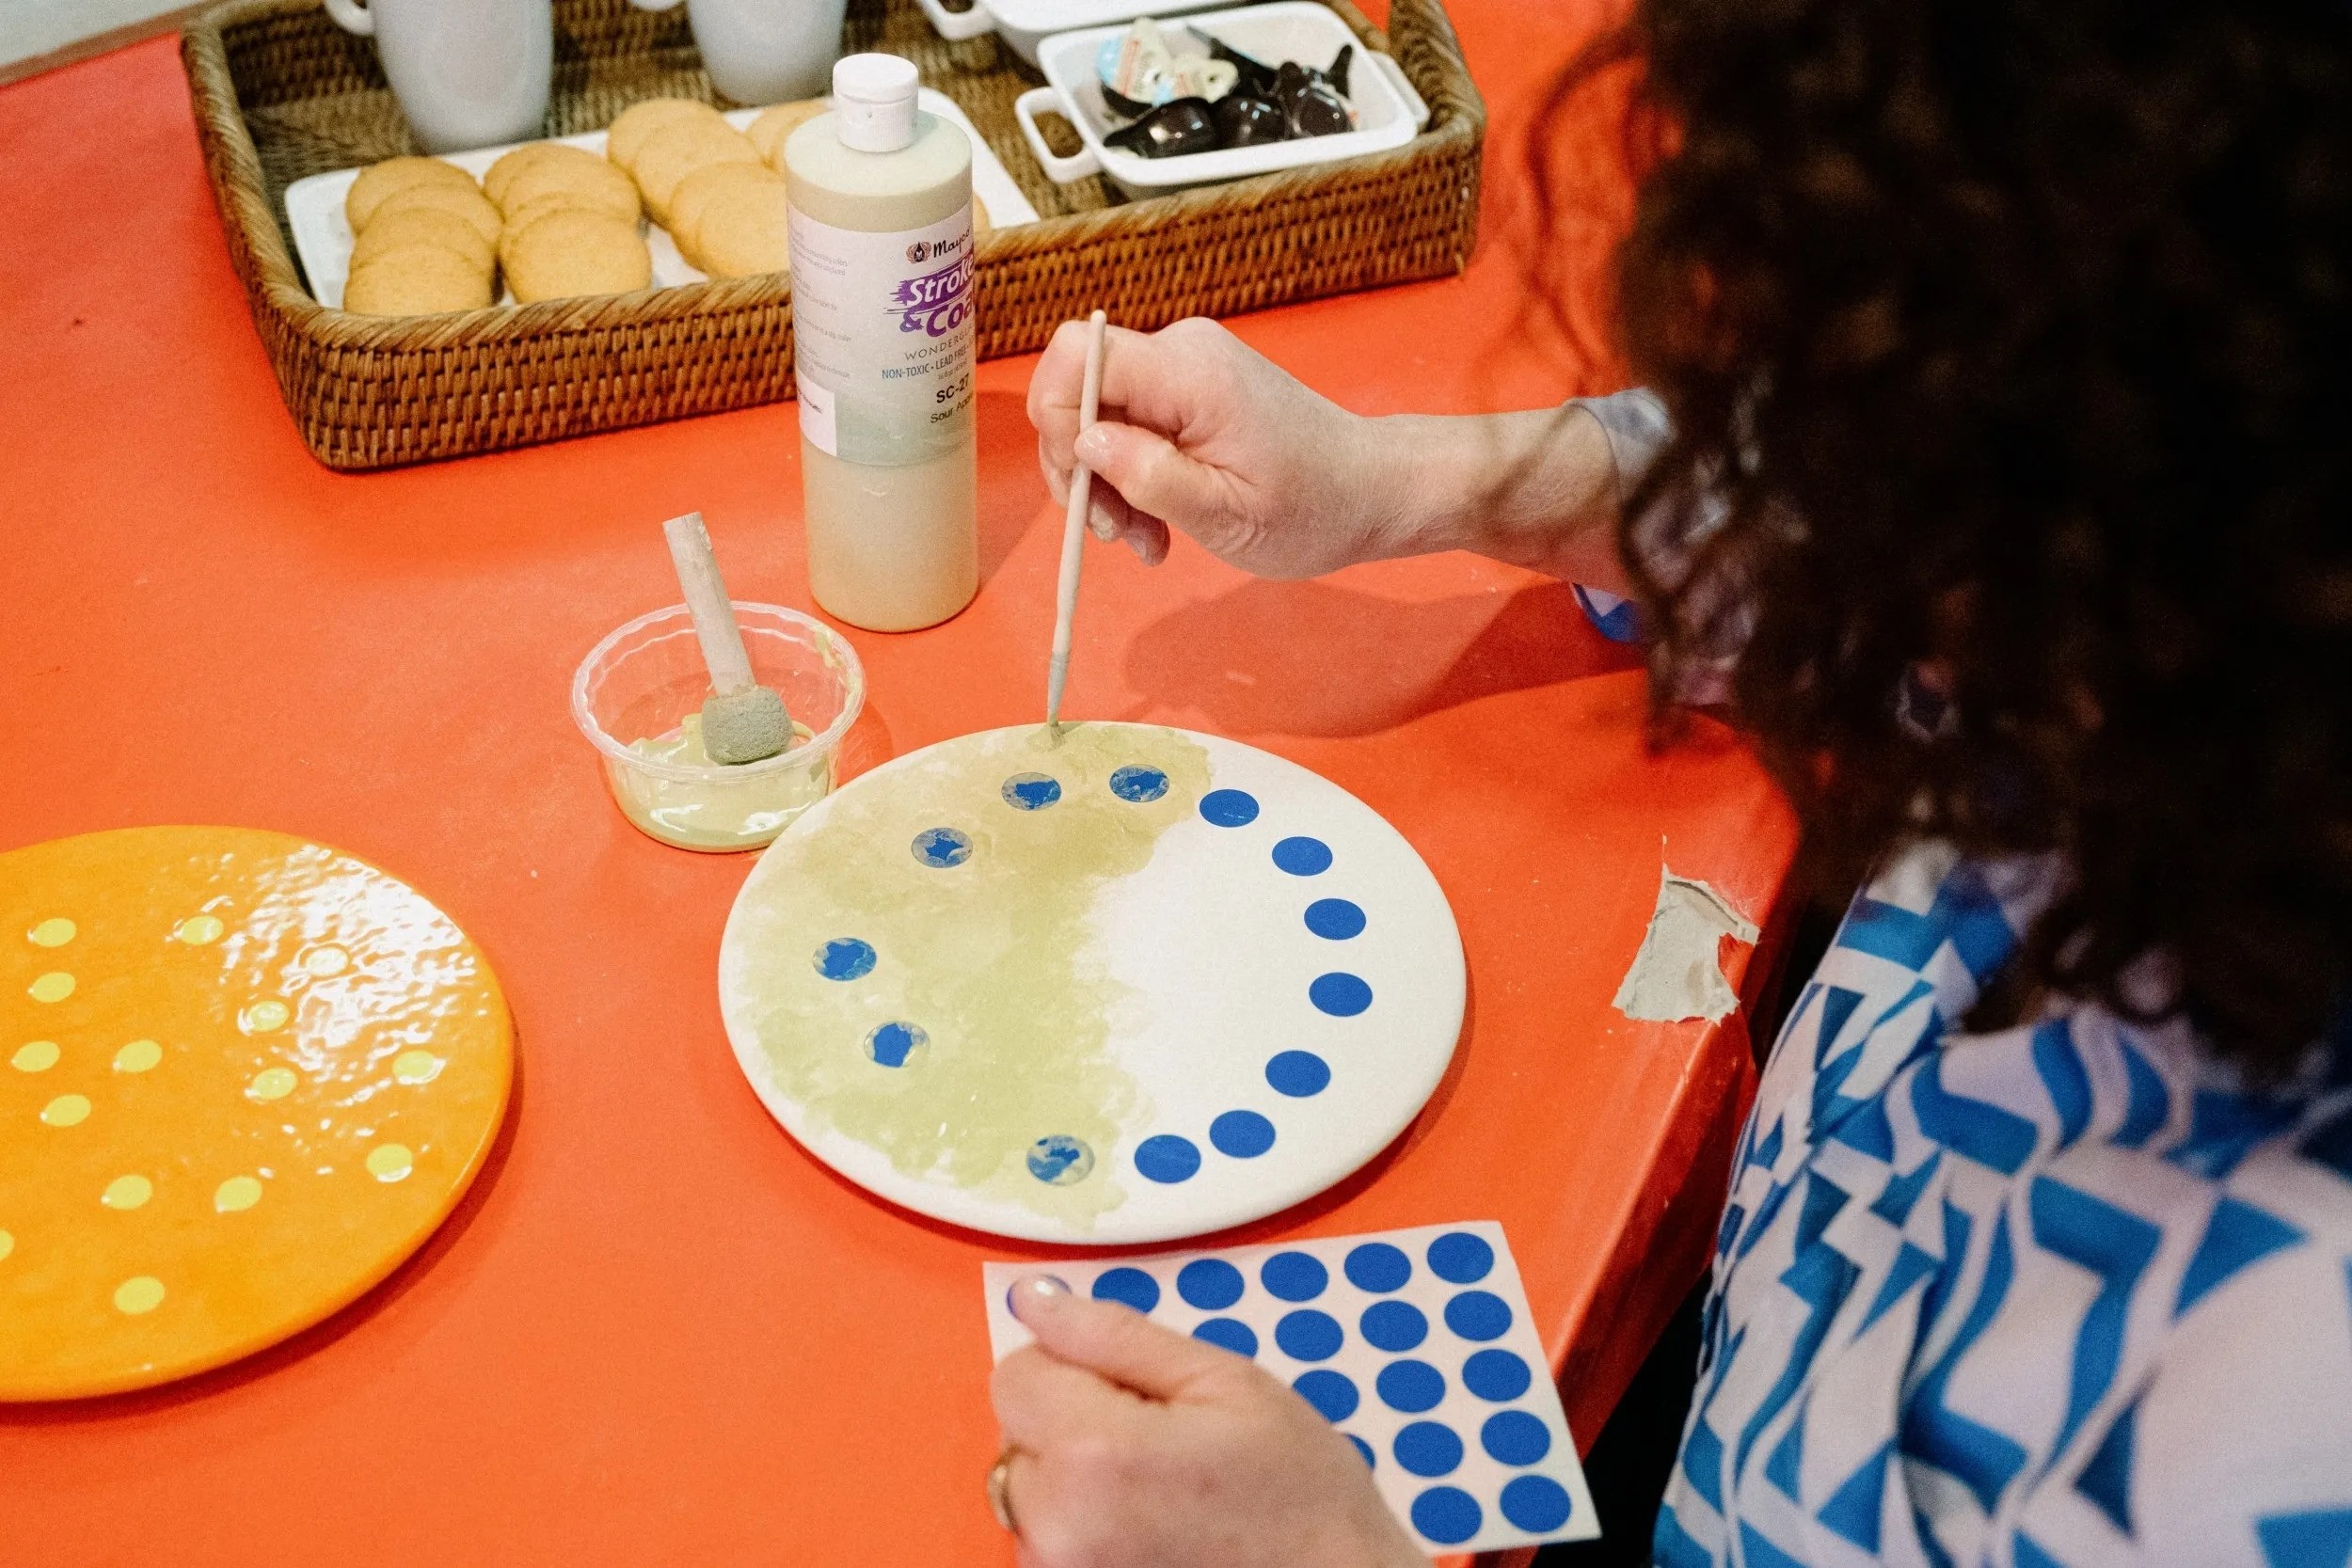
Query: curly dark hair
{"points": [[2016, 334]]}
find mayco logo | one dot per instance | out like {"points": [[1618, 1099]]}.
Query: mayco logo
{"points": [[923, 250]]}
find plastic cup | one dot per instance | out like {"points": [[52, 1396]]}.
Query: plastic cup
{"points": [[636, 687]]}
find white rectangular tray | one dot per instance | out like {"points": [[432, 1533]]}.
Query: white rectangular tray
{"points": [[322, 235]]}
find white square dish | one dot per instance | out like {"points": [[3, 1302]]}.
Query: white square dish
{"points": [[1024, 24]]}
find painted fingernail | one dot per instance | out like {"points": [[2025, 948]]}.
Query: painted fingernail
{"points": [[1092, 445], [1039, 1287], [1100, 519]]}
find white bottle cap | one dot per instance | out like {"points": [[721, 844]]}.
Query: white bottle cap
{"points": [[874, 95]]}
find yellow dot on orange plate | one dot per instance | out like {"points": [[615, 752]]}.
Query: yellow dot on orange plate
{"points": [[198, 929], [127, 1191], [272, 1083], [54, 932], [7, 1244], [34, 1056], [415, 1067], [55, 986], [67, 1110], [323, 961], [391, 1162], [237, 1195], [141, 1293], [265, 1016], [138, 1056]]}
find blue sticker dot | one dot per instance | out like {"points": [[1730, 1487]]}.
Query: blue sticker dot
{"points": [[1495, 1376], [1335, 919], [1340, 995], [1230, 808], [1447, 1514], [1060, 1161], [1393, 1325], [1166, 1158], [1478, 1315], [1031, 791], [1411, 1387], [1428, 1448], [1308, 1335], [1330, 1392], [1242, 1135], [1460, 1259], [891, 1044], [1138, 784], [1377, 1267], [1537, 1504], [1299, 1074], [1132, 1286], [1514, 1437], [1294, 1276], [1228, 1334], [1303, 857], [1211, 1284], [942, 847], [845, 959], [1365, 1448]]}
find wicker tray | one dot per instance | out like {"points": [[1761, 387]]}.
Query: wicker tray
{"points": [[281, 92]]}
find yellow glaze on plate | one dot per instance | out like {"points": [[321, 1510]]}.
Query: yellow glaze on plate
{"points": [[274, 1072]]}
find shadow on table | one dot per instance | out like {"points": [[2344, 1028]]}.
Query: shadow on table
{"points": [[1353, 663]]}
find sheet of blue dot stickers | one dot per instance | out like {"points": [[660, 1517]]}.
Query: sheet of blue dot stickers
{"points": [[1417, 1344]]}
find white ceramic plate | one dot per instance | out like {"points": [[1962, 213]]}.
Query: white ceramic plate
{"points": [[1120, 1016], [1024, 23], [322, 239]]}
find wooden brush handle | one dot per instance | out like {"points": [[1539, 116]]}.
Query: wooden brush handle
{"points": [[724, 653]]}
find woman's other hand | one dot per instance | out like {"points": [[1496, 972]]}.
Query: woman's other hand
{"points": [[1137, 1447]]}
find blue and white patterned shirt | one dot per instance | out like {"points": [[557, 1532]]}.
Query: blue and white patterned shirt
{"points": [[2067, 1294]]}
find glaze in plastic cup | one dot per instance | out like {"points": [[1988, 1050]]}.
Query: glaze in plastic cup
{"points": [[636, 687]]}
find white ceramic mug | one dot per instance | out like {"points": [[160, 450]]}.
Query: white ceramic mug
{"points": [[763, 51], [468, 73]]}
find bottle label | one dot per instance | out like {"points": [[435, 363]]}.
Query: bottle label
{"points": [[882, 338]]}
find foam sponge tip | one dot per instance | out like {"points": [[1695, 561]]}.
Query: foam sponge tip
{"points": [[746, 725]]}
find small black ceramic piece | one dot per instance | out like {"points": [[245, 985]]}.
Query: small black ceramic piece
{"points": [[1313, 109], [1245, 119], [1170, 131], [1335, 78], [1256, 77], [1122, 105]]}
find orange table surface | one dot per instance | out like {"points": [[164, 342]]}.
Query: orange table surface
{"points": [[657, 1331]]}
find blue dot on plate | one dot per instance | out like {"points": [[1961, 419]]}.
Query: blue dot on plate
{"points": [[1166, 1158], [1460, 1259], [845, 959], [1294, 1275], [1495, 1376], [1339, 994], [942, 847], [1377, 1267], [1138, 784], [1393, 1325], [1365, 1448], [1299, 1074], [891, 1044], [1303, 857], [1537, 1504], [1211, 1284], [1514, 1437], [1331, 1393], [1411, 1387], [1242, 1135], [1308, 1335], [1132, 1286], [1447, 1514], [1479, 1315], [1230, 808], [1060, 1161], [1335, 919], [1228, 1334], [1031, 791], [1428, 1448]]}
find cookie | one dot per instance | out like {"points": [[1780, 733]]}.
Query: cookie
{"points": [[674, 152], [712, 185], [638, 121], [573, 251], [983, 225], [570, 172], [768, 133], [500, 175], [379, 180], [460, 202], [525, 213], [401, 227], [416, 280], [745, 235]]}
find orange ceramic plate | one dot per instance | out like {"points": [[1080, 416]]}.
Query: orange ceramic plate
{"points": [[242, 1077]]}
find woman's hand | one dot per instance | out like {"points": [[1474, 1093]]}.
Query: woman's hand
{"points": [[1134, 1447]]}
